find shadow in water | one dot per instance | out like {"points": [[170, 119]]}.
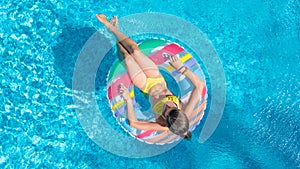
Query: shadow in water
{"points": [[70, 43]]}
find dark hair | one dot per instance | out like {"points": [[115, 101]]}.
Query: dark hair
{"points": [[178, 123]]}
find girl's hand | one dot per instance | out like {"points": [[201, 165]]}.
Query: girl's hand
{"points": [[175, 62], [124, 92]]}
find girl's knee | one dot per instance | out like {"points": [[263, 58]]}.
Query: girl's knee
{"points": [[128, 58]]}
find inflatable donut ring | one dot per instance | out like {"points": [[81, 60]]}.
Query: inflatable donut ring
{"points": [[158, 50]]}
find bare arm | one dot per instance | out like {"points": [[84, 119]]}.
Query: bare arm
{"points": [[195, 80], [133, 121], [178, 65], [196, 92], [141, 125]]}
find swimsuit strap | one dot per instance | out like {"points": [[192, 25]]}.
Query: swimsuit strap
{"points": [[158, 107]]}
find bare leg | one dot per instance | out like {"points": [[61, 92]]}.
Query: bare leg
{"points": [[136, 74], [114, 22], [129, 44], [130, 47], [147, 65]]}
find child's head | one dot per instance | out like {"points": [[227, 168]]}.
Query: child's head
{"points": [[178, 123]]}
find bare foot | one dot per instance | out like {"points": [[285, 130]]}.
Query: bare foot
{"points": [[114, 22], [112, 25]]}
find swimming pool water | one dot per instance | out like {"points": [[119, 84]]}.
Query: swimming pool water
{"points": [[258, 43]]}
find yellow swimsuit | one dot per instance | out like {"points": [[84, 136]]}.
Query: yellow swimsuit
{"points": [[158, 107], [152, 82]]}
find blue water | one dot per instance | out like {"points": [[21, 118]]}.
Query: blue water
{"points": [[259, 46]]}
